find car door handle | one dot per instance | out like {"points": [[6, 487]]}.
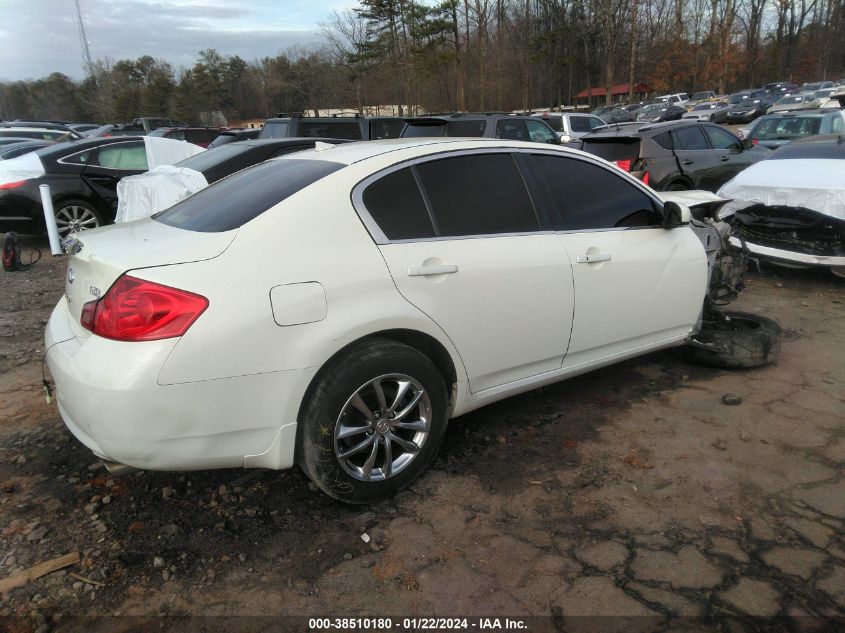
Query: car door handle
{"points": [[724, 159], [425, 271], [592, 259], [687, 161]]}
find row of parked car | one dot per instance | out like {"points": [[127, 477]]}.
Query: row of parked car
{"points": [[742, 106]]}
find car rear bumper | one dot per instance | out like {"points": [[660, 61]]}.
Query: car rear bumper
{"points": [[109, 398]]}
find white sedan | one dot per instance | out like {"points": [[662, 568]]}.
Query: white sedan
{"points": [[335, 307]]}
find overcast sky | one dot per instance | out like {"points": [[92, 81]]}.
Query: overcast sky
{"points": [[38, 37]]}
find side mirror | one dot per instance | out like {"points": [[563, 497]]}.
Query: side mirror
{"points": [[675, 214], [747, 143], [563, 137]]}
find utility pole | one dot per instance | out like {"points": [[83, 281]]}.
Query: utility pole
{"points": [[87, 64]]}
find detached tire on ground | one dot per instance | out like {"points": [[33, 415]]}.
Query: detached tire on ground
{"points": [[735, 340], [372, 422]]}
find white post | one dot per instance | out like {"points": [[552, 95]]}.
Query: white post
{"points": [[50, 220]]}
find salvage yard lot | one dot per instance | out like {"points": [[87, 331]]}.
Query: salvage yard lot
{"points": [[633, 490]]}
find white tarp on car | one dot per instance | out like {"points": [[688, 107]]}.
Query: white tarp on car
{"points": [[168, 151], [20, 168], [143, 195], [817, 184]]}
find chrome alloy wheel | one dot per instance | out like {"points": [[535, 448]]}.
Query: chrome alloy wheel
{"points": [[382, 427], [74, 218]]}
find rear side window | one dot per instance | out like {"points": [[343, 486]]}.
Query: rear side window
{"points": [[232, 202], [466, 128], [588, 196], [514, 130], [397, 206], [613, 149], [690, 138], [477, 195]]}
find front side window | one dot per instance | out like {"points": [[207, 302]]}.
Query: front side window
{"points": [[589, 196], [386, 128], [274, 129], [128, 156], [480, 194], [690, 138], [837, 125], [720, 139], [540, 132], [512, 129]]}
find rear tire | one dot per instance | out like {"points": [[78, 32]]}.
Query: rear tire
{"points": [[372, 422], [76, 215], [734, 340]]}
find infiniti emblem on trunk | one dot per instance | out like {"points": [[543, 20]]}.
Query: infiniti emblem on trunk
{"points": [[70, 275]]}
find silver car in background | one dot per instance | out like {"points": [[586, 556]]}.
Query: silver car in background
{"points": [[713, 111]]}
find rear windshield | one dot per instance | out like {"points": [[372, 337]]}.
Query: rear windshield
{"points": [[234, 201], [738, 98], [418, 130], [612, 149], [787, 129]]}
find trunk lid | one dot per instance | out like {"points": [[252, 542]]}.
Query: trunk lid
{"points": [[100, 256]]}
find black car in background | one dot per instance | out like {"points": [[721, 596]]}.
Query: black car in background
{"points": [[747, 105], [656, 112], [21, 147], [676, 155], [353, 128], [233, 136], [484, 125], [83, 177], [219, 162]]}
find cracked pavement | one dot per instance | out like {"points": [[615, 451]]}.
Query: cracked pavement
{"points": [[630, 491]]}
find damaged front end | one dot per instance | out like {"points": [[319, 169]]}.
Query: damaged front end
{"points": [[727, 259], [791, 236]]}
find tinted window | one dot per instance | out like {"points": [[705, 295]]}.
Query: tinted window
{"points": [[466, 128], [329, 129], [612, 149], [478, 195], [690, 138], [664, 139], [232, 202], [416, 130], [555, 122], [787, 128], [540, 132], [513, 130], [580, 123], [588, 196], [720, 139], [386, 128], [397, 206]]}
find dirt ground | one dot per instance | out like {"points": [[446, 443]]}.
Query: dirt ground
{"points": [[630, 491]]}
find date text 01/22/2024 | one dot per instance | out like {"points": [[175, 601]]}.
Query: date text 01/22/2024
{"points": [[414, 624]]}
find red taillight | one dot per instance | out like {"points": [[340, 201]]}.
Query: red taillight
{"points": [[138, 310], [624, 165], [12, 185], [645, 178], [754, 141]]}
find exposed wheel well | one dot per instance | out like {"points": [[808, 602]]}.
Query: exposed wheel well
{"points": [[425, 344]]}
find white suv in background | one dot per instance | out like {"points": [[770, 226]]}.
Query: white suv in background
{"points": [[679, 98]]}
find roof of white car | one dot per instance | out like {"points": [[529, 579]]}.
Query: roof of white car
{"points": [[349, 153]]}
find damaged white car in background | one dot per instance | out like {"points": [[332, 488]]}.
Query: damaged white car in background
{"points": [[789, 209]]}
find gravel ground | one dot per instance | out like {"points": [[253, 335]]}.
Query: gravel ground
{"points": [[630, 491]]}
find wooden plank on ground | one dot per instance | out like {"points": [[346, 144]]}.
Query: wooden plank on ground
{"points": [[36, 571]]}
